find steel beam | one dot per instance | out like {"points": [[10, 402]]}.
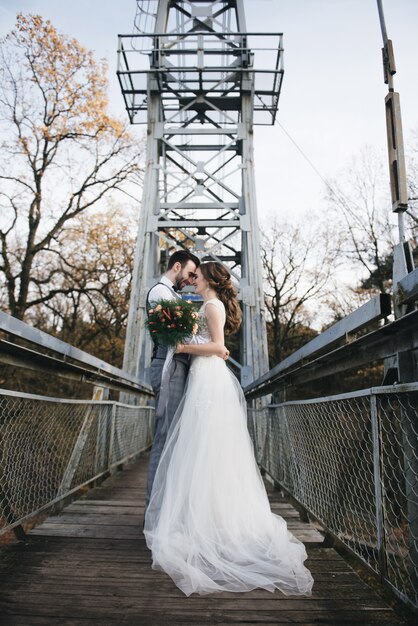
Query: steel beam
{"points": [[389, 340], [376, 309], [19, 356], [199, 185], [408, 288], [40, 339]]}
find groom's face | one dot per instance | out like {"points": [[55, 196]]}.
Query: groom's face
{"points": [[186, 275]]}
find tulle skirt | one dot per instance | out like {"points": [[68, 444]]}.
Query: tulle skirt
{"points": [[208, 524]]}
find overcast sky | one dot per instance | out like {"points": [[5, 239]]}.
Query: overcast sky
{"points": [[332, 101]]}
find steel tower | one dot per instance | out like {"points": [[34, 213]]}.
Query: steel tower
{"points": [[200, 82]]}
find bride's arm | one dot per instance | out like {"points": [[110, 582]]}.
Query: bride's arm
{"points": [[215, 347]]}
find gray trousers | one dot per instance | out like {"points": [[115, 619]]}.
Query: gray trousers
{"points": [[177, 384]]}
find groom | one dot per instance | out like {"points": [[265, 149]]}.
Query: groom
{"points": [[181, 271]]}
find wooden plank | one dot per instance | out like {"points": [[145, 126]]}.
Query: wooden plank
{"points": [[116, 586], [206, 616], [124, 532], [106, 532], [96, 569], [126, 519], [151, 620], [99, 509], [130, 570], [42, 544], [108, 571], [104, 503], [125, 585], [218, 601], [95, 519]]}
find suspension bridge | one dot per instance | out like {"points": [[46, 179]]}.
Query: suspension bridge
{"points": [[342, 470]]}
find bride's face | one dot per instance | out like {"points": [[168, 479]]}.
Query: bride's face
{"points": [[200, 282]]}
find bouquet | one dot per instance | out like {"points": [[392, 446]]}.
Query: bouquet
{"points": [[170, 322]]}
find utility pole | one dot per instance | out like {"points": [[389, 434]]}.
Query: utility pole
{"points": [[402, 253], [403, 363]]}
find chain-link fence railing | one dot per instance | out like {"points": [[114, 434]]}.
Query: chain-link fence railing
{"points": [[352, 461], [51, 447]]}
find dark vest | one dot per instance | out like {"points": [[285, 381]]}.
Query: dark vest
{"points": [[159, 351]]}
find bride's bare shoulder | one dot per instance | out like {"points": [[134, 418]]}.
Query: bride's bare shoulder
{"points": [[214, 303]]}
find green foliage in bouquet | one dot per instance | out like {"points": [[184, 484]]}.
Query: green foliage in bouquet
{"points": [[170, 322]]}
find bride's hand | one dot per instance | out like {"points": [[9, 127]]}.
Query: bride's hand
{"points": [[179, 348], [223, 353]]}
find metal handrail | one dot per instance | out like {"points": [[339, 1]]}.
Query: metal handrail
{"points": [[307, 365], [52, 355]]}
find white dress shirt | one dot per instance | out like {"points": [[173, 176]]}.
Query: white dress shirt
{"points": [[162, 291]]}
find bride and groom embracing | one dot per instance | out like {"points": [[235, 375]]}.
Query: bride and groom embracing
{"points": [[208, 521]]}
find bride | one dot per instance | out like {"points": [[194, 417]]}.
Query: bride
{"points": [[208, 524]]}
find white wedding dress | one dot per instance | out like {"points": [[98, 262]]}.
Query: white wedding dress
{"points": [[208, 524]]}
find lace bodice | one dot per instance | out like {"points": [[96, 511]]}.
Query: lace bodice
{"points": [[204, 334]]}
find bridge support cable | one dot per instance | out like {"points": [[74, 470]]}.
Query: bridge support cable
{"points": [[200, 84]]}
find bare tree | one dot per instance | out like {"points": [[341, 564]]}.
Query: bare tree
{"points": [[60, 154], [297, 264], [360, 205], [88, 280], [412, 171]]}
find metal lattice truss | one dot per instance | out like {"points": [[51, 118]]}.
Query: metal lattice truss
{"points": [[195, 79]]}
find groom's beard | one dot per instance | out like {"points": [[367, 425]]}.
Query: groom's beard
{"points": [[180, 282]]}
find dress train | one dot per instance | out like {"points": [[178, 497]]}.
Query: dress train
{"points": [[208, 524]]}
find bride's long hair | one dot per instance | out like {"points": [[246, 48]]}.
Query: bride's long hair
{"points": [[219, 279]]}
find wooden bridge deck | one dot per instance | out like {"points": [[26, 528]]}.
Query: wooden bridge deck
{"points": [[90, 565]]}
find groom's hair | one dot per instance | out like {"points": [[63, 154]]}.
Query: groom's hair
{"points": [[182, 256]]}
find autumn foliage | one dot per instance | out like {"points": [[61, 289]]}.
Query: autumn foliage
{"points": [[69, 86], [62, 154]]}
